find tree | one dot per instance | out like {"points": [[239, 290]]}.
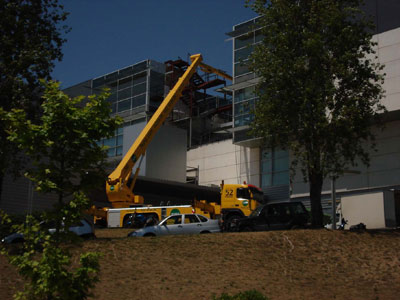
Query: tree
{"points": [[31, 37], [320, 89], [66, 161], [63, 145]]}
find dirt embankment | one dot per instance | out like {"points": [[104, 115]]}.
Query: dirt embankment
{"points": [[298, 264]]}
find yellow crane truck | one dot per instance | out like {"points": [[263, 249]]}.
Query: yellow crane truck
{"points": [[236, 199]]}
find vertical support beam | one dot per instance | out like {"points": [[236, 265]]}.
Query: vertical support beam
{"points": [[333, 191]]}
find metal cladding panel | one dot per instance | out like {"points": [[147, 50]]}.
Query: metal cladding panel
{"points": [[277, 193], [113, 218]]}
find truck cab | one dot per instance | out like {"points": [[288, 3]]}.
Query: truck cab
{"points": [[237, 201]]}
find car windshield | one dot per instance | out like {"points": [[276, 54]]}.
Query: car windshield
{"points": [[257, 211]]}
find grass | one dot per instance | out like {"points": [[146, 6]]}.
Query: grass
{"points": [[298, 264]]}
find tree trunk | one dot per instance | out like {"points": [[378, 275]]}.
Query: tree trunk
{"points": [[1, 186], [316, 180]]}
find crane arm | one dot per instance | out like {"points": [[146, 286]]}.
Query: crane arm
{"points": [[118, 191]]}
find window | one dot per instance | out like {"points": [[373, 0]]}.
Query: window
{"points": [[241, 68], [124, 105], [243, 53], [191, 219], [274, 167], [139, 89], [243, 193], [126, 93], [202, 219], [244, 40], [114, 143], [174, 220]]}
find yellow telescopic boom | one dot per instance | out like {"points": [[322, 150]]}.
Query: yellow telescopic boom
{"points": [[117, 189]]}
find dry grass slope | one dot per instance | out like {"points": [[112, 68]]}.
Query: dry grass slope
{"points": [[299, 264]]}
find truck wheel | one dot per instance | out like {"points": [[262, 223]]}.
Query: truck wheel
{"points": [[230, 224], [128, 221]]}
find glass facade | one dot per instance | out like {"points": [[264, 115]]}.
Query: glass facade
{"points": [[244, 101], [274, 167], [114, 144], [274, 164], [133, 89]]}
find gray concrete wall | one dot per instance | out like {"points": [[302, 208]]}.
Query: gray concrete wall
{"points": [[384, 169], [226, 161], [166, 154]]}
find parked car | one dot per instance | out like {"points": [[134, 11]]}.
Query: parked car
{"points": [[274, 216], [180, 224], [83, 228]]}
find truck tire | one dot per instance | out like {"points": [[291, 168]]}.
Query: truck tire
{"points": [[230, 223]]}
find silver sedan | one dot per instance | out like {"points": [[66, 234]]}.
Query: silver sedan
{"points": [[180, 224]]}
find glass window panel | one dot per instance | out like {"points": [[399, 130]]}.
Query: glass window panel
{"points": [[249, 92], [138, 101], [244, 40], [119, 140], [243, 53], [126, 93], [266, 180], [98, 82], [111, 152], [266, 154], [112, 98], [99, 143], [109, 142], [266, 166], [139, 79], [238, 121], [114, 107], [259, 36], [241, 68], [111, 77], [281, 153], [239, 95], [119, 150], [139, 89], [124, 105], [281, 164], [120, 130], [281, 178], [124, 83], [244, 107]]}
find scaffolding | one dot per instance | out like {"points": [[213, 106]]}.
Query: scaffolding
{"points": [[206, 116]]}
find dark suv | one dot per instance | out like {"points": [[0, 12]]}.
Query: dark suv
{"points": [[275, 216]]}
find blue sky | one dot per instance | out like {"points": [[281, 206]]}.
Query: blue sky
{"points": [[107, 35]]}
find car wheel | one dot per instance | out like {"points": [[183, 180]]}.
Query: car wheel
{"points": [[89, 236], [149, 234], [246, 229]]}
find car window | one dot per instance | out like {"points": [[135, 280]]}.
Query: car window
{"points": [[273, 210], [243, 193], [297, 208], [191, 219], [174, 220], [202, 218]]}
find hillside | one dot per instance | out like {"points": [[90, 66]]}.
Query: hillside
{"points": [[299, 264]]}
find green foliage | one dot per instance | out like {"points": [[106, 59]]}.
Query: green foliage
{"points": [[246, 295], [46, 264], [63, 145], [31, 38], [66, 160], [320, 88]]}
